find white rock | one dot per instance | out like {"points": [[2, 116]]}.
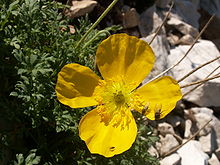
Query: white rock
{"points": [[173, 159], [191, 154], [130, 18], [161, 48], [168, 143], [186, 10], [201, 120], [183, 27], [188, 126], [214, 160], [165, 128], [217, 153], [186, 40], [216, 126], [210, 135], [203, 51], [211, 6], [80, 8], [205, 110], [208, 143], [150, 20], [153, 152], [173, 39]]}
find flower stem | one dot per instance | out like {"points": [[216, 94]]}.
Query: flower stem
{"points": [[164, 20], [201, 81], [191, 90], [97, 22], [167, 70], [191, 72]]}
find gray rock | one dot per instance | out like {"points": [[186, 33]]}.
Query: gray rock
{"points": [[173, 159], [201, 120], [162, 3], [191, 154], [153, 152], [80, 8], [205, 110], [168, 143], [165, 128], [175, 120], [210, 135], [208, 143], [130, 18], [211, 6], [161, 48], [186, 40], [183, 27], [150, 20], [186, 10], [217, 153], [203, 51], [188, 125], [214, 160]]}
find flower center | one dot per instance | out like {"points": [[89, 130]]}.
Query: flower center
{"points": [[115, 99], [119, 98]]}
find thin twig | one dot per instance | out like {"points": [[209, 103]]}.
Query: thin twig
{"points": [[164, 20], [191, 72], [167, 70], [201, 81], [191, 90], [96, 22], [175, 149]]}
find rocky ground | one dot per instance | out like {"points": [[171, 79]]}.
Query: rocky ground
{"points": [[142, 18]]}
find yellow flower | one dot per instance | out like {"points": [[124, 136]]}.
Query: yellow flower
{"points": [[124, 61]]}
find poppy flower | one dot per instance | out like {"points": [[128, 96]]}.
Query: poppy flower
{"points": [[123, 61]]}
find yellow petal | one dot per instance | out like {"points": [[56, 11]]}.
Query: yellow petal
{"points": [[126, 57], [75, 86], [160, 97], [105, 139]]}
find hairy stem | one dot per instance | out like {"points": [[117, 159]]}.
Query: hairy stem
{"points": [[201, 81], [96, 22]]}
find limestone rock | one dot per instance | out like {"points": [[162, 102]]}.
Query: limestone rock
{"points": [[162, 3], [165, 128], [173, 159], [205, 110], [186, 40], [80, 8], [191, 154], [201, 120], [188, 126], [183, 27], [130, 18], [203, 51], [212, 32], [161, 49], [175, 120], [173, 39], [208, 142], [153, 152], [211, 6], [168, 143], [150, 20], [186, 11], [210, 135], [214, 160], [217, 153]]}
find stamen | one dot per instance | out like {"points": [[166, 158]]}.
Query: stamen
{"points": [[115, 100]]}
